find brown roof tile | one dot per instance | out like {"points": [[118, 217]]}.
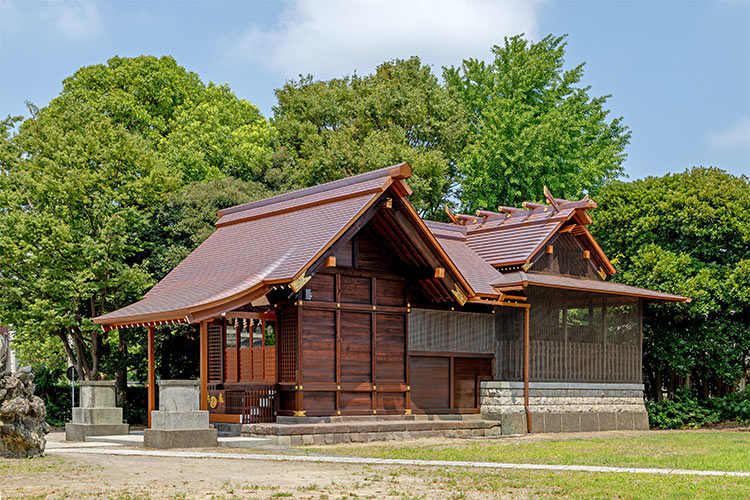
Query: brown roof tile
{"points": [[549, 280], [250, 249]]}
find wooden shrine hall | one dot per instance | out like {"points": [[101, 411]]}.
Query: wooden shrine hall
{"points": [[340, 300]]}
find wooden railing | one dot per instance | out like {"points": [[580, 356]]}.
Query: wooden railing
{"points": [[255, 404]]}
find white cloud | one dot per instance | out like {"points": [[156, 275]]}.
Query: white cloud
{"points": [[75, 20], [736, 135], [333, 37]]}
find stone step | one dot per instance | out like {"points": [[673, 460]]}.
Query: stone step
{"points": [[362, 431]]}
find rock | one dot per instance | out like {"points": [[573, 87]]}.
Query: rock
{"points": [[22, 425]]}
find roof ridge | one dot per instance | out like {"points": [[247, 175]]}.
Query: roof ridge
{"points": [[399, 171]]}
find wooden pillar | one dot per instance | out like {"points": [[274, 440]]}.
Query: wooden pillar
{"points": [[151, 374], [526, 367], [204, 365]]}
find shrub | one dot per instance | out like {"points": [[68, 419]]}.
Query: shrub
{"points": [[685, 410]]}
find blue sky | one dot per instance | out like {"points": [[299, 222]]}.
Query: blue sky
{"points": [[678, 71]]}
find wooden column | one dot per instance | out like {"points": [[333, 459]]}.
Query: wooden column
{"points": [[151, 374], [204, 365], [526, 367]]}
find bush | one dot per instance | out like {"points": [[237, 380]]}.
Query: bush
{"points": [[685, 410]]}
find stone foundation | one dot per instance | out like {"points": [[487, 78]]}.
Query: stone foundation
{"points": [[98, 414], [179, 422], [336, 430], [564, 406]]}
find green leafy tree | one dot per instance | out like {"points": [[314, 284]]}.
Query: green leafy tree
{"points": [[74, 193], [687, 234], [345, 126], [81, 186], [532, 124], [201, 131]]}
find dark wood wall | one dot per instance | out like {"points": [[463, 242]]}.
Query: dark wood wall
{"points": [[351, 336]]}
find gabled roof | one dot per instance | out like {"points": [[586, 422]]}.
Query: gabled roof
{"points": [[257, 245], [514, 236], [276, 241]]}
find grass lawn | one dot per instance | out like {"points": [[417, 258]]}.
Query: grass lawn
{"points": [[154, 478], [701, 450]]}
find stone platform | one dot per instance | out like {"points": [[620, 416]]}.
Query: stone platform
{"points": [[297, 431]]}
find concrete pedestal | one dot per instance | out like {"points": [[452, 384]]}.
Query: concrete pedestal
{"points": [[179, 422], [98, 414]]}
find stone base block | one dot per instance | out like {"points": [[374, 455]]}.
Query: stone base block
{"points": [[513, 423], [97, 416], [78, 432], [179, 420], [194, 438], [589, 422]]}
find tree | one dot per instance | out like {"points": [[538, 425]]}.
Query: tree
{"points": [[81, 182], [73, 196], [201, 131], [687, 234], [532, 124], [345, 126]]}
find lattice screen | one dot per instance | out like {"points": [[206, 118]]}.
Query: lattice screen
{"points": [[451, 331], [215, 353], [287, 319], [568, 331]]}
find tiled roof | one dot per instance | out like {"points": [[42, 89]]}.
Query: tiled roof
{"points": [[521, 278], [477, 271], [272, 246], [274, 241]]}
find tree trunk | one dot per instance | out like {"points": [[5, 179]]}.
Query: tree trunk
{"points": [[121, 379]]}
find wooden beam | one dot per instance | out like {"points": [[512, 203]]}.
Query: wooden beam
{"points": [[450, 214], [532, 205], [551, 199], [586, 254], [204, 364], [510, 210], [330, 261], [151, 374], [439, 272], [488, 213], [526, 367], [469, 218], [550, 249]]}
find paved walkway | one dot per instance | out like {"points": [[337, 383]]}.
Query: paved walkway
{"points": [[84, 448]]}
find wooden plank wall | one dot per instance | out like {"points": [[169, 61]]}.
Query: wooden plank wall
{"points": [[353, 331]]}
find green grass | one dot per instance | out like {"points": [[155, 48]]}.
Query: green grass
{"points": [[701, 450], [533, 484]]}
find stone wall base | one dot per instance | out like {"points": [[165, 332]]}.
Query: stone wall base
{"points": [[79, 432], [564, 407], [192, 438]]}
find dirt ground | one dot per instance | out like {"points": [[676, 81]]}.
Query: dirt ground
{"points": [[88, 476], [74, 476]]}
